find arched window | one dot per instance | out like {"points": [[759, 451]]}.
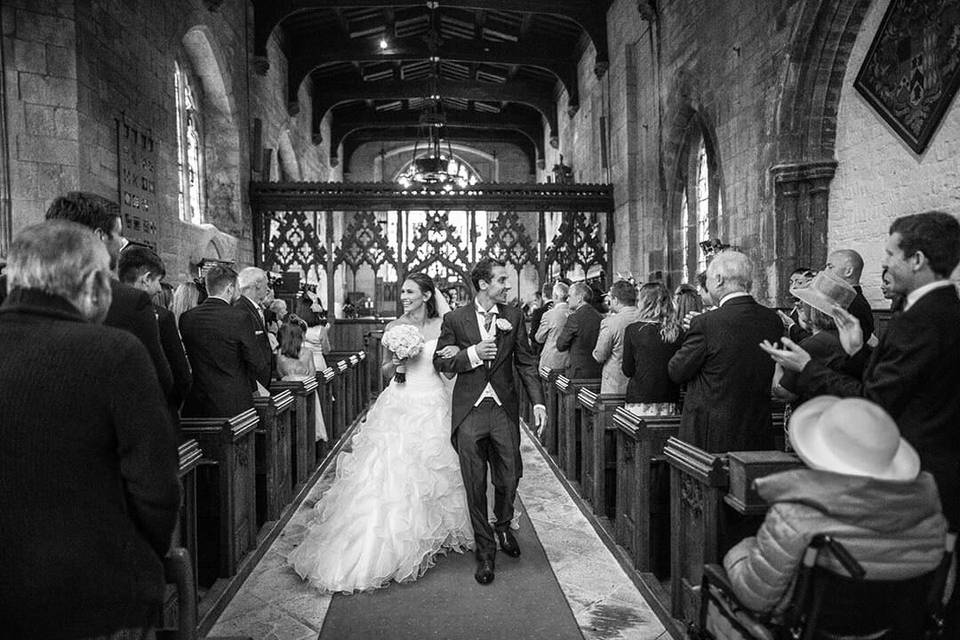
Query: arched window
{"points": [[701, 205], [189, 149]]}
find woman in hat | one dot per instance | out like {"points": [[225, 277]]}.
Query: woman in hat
{"points": [[816, 300], [862, 485]]}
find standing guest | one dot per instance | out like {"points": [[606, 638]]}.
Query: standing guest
{"points": [[254, 288], [221, 344], [687, 302], [728, 377], [537, 316], [534, 304], [317, 334], [580, 332], [648, 346], [83, 542], [896, 300], [550, 326], [163, 297], [609, 349], [847, 265], [275, 315], [131, 310], [143, 269], [295, 362], [185, 296], [800, 277], [914, 373]]}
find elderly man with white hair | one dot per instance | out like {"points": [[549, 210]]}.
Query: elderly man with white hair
{"points": [[82, 556], [254, 289], [728, 376]]}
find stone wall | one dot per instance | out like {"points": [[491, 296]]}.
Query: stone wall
{"points": [[878, 177]]}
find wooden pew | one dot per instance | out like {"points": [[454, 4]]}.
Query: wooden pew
{"points": [[569, 421], [339, 410], [549, 437], [643, 489], [274, 458], [303, 452], [371, 342], [325, 394], [226, 492], [185, 535], [598, 469]]}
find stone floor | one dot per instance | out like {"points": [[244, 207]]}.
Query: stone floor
{"points": [[273, 603]]}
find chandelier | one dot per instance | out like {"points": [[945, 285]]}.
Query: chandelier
{"points": [[432, 167]]}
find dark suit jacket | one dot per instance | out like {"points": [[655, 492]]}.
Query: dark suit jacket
{"points": [[176, 356], [225, 358], [460, 328], [728, 377], [823, 346], [579, 336], [132, 310], [535, 319], [263, 343], [88, 474], [914, 373], [645, 360], [860, 309]]}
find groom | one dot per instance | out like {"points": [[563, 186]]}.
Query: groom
{"points": [[486, 419]]}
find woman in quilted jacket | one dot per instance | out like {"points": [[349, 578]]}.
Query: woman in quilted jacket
{"points": [[863, 485]]}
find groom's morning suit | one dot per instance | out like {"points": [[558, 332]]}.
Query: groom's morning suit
{"points": [[486, 415]]}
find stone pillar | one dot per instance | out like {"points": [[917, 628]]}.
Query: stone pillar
{"points": [[802, 191]]}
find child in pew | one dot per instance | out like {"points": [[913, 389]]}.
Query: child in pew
{"points": [[295, 362]]}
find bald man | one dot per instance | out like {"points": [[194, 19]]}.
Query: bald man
{"points": [[847, 265], [254, 288]]}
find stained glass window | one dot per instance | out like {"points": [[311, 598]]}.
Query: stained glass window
{"points": [[189, 150]]}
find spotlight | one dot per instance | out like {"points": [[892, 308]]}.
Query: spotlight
{"points": [[383, 44]]}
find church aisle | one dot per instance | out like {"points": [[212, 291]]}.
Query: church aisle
{"points": [[274, 604]]}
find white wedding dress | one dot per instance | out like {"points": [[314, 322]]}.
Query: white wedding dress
{"points": [[397, 499]]}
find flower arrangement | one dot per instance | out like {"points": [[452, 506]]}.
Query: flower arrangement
{"points": [[504, 325], [405, 341]]}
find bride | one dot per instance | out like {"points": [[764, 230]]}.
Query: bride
{"points": [[397, 499]]}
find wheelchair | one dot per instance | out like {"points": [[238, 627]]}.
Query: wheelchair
{"points": [[825, 605]]}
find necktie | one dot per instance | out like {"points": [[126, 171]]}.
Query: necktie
{"points": [[488, 318]]}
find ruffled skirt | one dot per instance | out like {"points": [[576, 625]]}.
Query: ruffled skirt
{"points": [[396, 502]]}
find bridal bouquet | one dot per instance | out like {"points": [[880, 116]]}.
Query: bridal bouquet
{"points": [[405, 341]]}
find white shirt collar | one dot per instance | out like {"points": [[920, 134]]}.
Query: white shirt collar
{"points": [[919, 292], [731, 296], [494, 310]]}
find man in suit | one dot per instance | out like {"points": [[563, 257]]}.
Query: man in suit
{"points": [[847, 265], [485, 418], [580, 332], [728, 376], [537, 316], [84, 539], [130, 310], [142, 268], [254, 289], [609, 348], [553, 320], [221, 344], [914, 373]]}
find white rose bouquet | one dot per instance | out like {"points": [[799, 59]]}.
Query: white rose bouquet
{"points": [[405, 341]]}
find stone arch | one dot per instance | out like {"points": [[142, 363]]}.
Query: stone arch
{"points": [[287, 159], [806, 129], [222, 134]]}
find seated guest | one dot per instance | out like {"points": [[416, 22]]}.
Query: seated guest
{"points": [[185, 296], [609, 349], [550, 326], [727, 406], [295, 362], [648, 346], [142, 268], [220, 341], [862, 485], [254, 288], [130, 310], [580, 332], [817, 301], [88, 458]]}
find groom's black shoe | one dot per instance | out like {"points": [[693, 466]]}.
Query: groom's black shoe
{"points": [[484, 574], [508, 544]]}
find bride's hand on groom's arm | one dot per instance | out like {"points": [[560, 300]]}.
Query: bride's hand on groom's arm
{"points": [[448, 352]]}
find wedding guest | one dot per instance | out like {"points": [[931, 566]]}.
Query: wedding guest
{"points": [[847, 265], [295, 362], [130, 309], [896, 300], [143, 269], [687, 304], [537, 316], [862, 485], [791, 322], [316, 336], [83, 541], [185, 296], [550, 326], [220, 343], [728, 377], [609, 348], [254, 288], [580, 332], [648, 346]]}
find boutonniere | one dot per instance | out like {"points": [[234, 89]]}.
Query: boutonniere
{"points": [[504, 325]]}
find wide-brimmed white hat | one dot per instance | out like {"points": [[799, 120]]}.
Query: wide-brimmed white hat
{"points": [[852, 436], [824, 292]]}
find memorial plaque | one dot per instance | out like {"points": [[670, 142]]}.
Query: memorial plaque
{"points": [[137, 171]]}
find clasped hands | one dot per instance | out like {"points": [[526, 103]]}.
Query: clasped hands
{"points": [[792, 357]]}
